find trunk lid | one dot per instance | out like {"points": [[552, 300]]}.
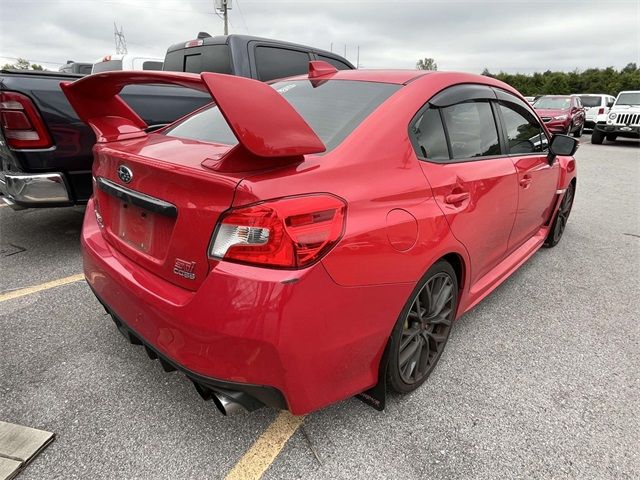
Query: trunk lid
{"points": [[164, 216]]}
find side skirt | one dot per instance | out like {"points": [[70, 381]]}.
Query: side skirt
{"points": [[504, 269]]}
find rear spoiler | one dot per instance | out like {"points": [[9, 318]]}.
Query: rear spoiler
{"points": [[264, 123]]}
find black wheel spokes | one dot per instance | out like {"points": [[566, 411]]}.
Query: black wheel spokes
{"points": [[563, 214], [426, 328]]}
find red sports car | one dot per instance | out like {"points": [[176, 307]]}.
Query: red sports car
{"points": [[298, 243]]}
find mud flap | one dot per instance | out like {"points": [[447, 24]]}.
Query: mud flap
{"points": [[376, 396]]}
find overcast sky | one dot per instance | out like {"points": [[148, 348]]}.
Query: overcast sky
{"points": [[509, 35]]}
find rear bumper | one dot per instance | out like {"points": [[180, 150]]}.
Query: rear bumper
{"points": [[297, 333], [23, 190], [256, 395]]}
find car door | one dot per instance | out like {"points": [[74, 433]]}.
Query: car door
{"points": [[527, 145], [473, 182]]}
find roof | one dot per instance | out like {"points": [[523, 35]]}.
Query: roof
{"points": [[227, 39], [383, 76]]}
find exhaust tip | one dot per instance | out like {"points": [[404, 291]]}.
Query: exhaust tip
{"points": [[226, 405]]}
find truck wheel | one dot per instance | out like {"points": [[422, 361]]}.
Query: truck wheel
{"points": [[578, 133], [597, 137], [612, 137]]}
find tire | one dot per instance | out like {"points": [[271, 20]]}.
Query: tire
{"points": [[560, 222], [612, 137], [578, 133], [597, 136], [569, 128], [422, 330]]}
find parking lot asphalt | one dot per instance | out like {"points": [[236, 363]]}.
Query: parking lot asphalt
{"points": [[541, 380]]}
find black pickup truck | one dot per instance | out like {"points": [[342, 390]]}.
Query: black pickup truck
{"points": [[46, 151]]}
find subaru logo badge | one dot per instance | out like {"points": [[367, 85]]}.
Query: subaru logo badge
{"points": [[125, 174]]}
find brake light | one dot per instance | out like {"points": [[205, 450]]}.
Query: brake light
{"points": [[601, 111], [194, 43], [292, 232], [21, 123]]}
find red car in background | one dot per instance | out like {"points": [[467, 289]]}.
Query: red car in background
{"points": [[298, 243], [562, 113]]}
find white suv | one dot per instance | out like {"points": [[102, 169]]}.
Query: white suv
{"points": [[623, 120], [596, 107]]}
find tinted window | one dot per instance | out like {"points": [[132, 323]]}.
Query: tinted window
{"points": [[85, 69], [335, 62], [193, 63], [109, 66], [151, 65], [333, 109], [429, 136], [589, 101], [275, 63], [207, 58], [208, 125], [524, 134], [472, 130]]}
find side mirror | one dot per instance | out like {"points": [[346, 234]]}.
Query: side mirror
{"points": [[562, 145], [610, 103]]}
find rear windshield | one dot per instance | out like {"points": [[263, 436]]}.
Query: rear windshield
{"points": [[109, 66], [589, 101], [553, 103], [205, 58], [332, 109], [629, 98]]}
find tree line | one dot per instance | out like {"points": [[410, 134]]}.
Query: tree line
{"points": [[593, 80], [22, 64]]}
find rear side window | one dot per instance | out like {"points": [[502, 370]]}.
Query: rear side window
{"points": [[524, 133], [429, 136], [333, 109], [472, 130], [272, 63], [335, 62]]}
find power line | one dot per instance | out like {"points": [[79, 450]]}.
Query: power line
{"points": [[242, 16]]}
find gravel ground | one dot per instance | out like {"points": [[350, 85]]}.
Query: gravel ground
{"points": [[539, 381]]}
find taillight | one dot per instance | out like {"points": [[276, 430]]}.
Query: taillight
{"points": [[21, 123], [601, 111], [291, 232]]}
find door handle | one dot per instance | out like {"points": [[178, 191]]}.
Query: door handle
{"points": [[525, 181], [456, 197]]}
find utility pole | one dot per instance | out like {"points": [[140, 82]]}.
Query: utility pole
{"points": [[226, 19], [121, 42], [222, 8]]}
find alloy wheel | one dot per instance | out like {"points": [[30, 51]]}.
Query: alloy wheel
{"points": [[426, 328], [563, 214]]}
